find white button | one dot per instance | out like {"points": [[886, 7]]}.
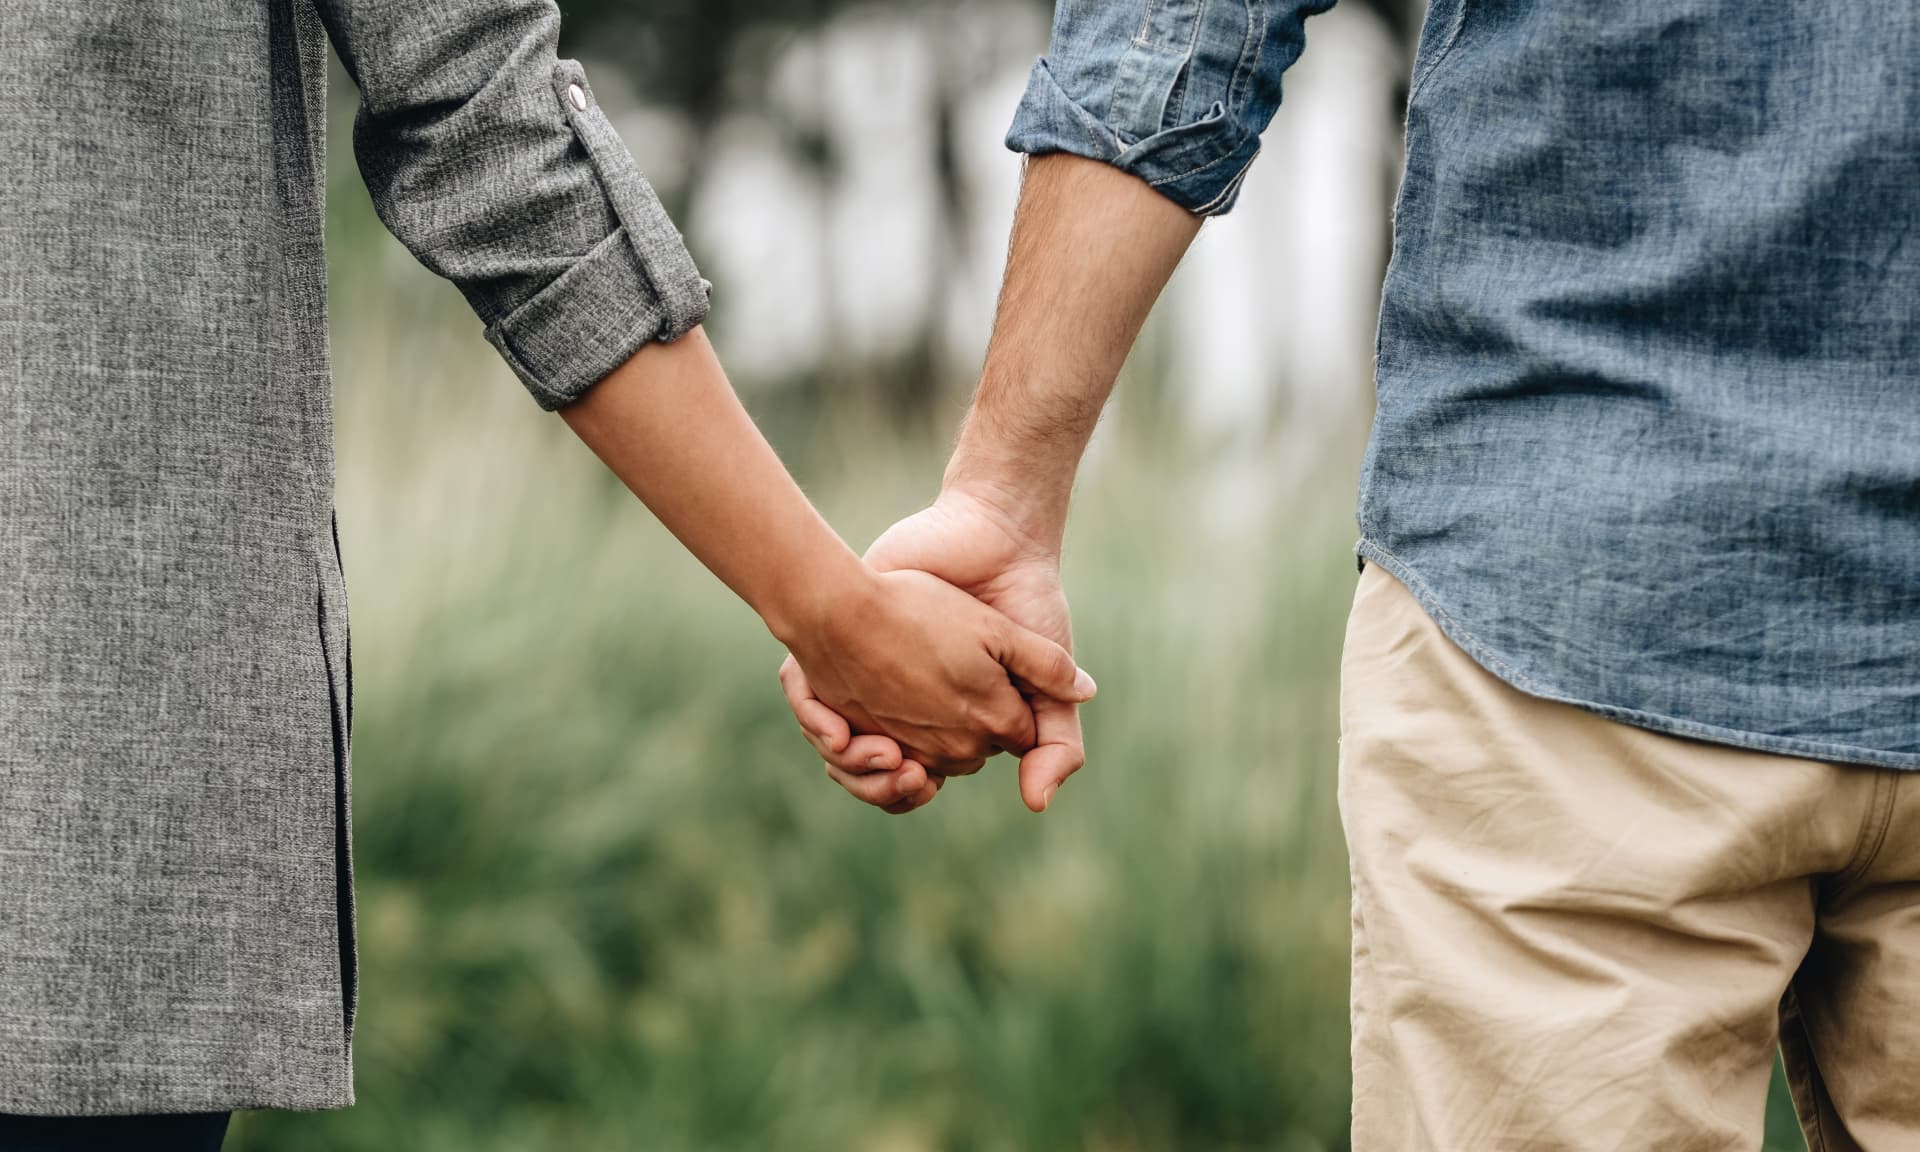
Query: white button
{"points": [[578, 95]]}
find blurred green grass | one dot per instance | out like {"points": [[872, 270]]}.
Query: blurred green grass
{"points": [[608, 901]]}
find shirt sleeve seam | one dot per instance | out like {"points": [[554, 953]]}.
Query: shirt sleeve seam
{"points": [[565, 360], [1237, 141]]}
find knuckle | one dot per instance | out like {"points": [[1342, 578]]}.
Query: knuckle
{"points": [[951, 745], [976, 713], [1016, 720], [944, 765], [965, 749], [996, 717]]}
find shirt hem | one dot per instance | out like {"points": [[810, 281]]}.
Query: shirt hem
{"points": [[177, 1105], [1183, 163], [1374, 552]]}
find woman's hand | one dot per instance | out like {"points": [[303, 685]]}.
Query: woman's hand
{"points": [[941, 674], [968, 542]]}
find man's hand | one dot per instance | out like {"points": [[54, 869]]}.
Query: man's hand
{"points": [[964, 540]]}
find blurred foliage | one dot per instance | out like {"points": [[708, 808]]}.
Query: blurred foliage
{"points": [[609, 902]]}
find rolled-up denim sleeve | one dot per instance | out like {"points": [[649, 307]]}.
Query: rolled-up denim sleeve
{"points": [[489, 158], [1176, 92]]}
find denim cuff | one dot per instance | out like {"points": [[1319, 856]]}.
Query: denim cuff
{"points": [[636, 286], [1199, 166]]}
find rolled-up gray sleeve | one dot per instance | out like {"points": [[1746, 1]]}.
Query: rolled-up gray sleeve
{"points": [[488, 157]]}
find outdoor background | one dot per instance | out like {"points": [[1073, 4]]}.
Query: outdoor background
{"points": [[607, 898]]}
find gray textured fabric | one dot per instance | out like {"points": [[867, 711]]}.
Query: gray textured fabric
{"points": [[175, 908]]}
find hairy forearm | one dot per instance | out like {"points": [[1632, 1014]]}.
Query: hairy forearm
{"points": [[670, 426], [1092, 249]]}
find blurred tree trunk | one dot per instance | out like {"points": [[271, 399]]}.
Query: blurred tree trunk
{"points": [[688, 55]]}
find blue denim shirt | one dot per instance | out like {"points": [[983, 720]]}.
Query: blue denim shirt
{"points": [[1648, 435]]}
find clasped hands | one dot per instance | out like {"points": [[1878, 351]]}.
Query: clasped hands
{"points": [[961, 648]]}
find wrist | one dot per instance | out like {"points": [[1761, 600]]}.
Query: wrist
{"points": [[818, 596], [1029, 505], [1033, 517]]}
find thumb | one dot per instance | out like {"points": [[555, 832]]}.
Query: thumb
{"points": [[1043, 666], [1058, 753], [825, 729]]}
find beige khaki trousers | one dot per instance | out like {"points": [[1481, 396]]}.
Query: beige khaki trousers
{"points": [[1570, 933]]}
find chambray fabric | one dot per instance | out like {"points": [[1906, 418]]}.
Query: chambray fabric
{"points": [[1648, 435], [175, 893], [1176, 92]]}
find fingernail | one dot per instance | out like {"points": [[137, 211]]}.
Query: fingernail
{"points": [[1084, 685], [1046, 801], [877, 763]]}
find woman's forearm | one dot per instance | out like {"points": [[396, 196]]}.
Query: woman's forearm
{"points": [[902, 654], [670, 426]]}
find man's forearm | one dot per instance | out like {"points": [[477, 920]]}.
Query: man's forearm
{"points": [[1092, 249]]}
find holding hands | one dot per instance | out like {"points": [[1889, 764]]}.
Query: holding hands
{"points": [[934, 678], [976, 548], [937, 679]]}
